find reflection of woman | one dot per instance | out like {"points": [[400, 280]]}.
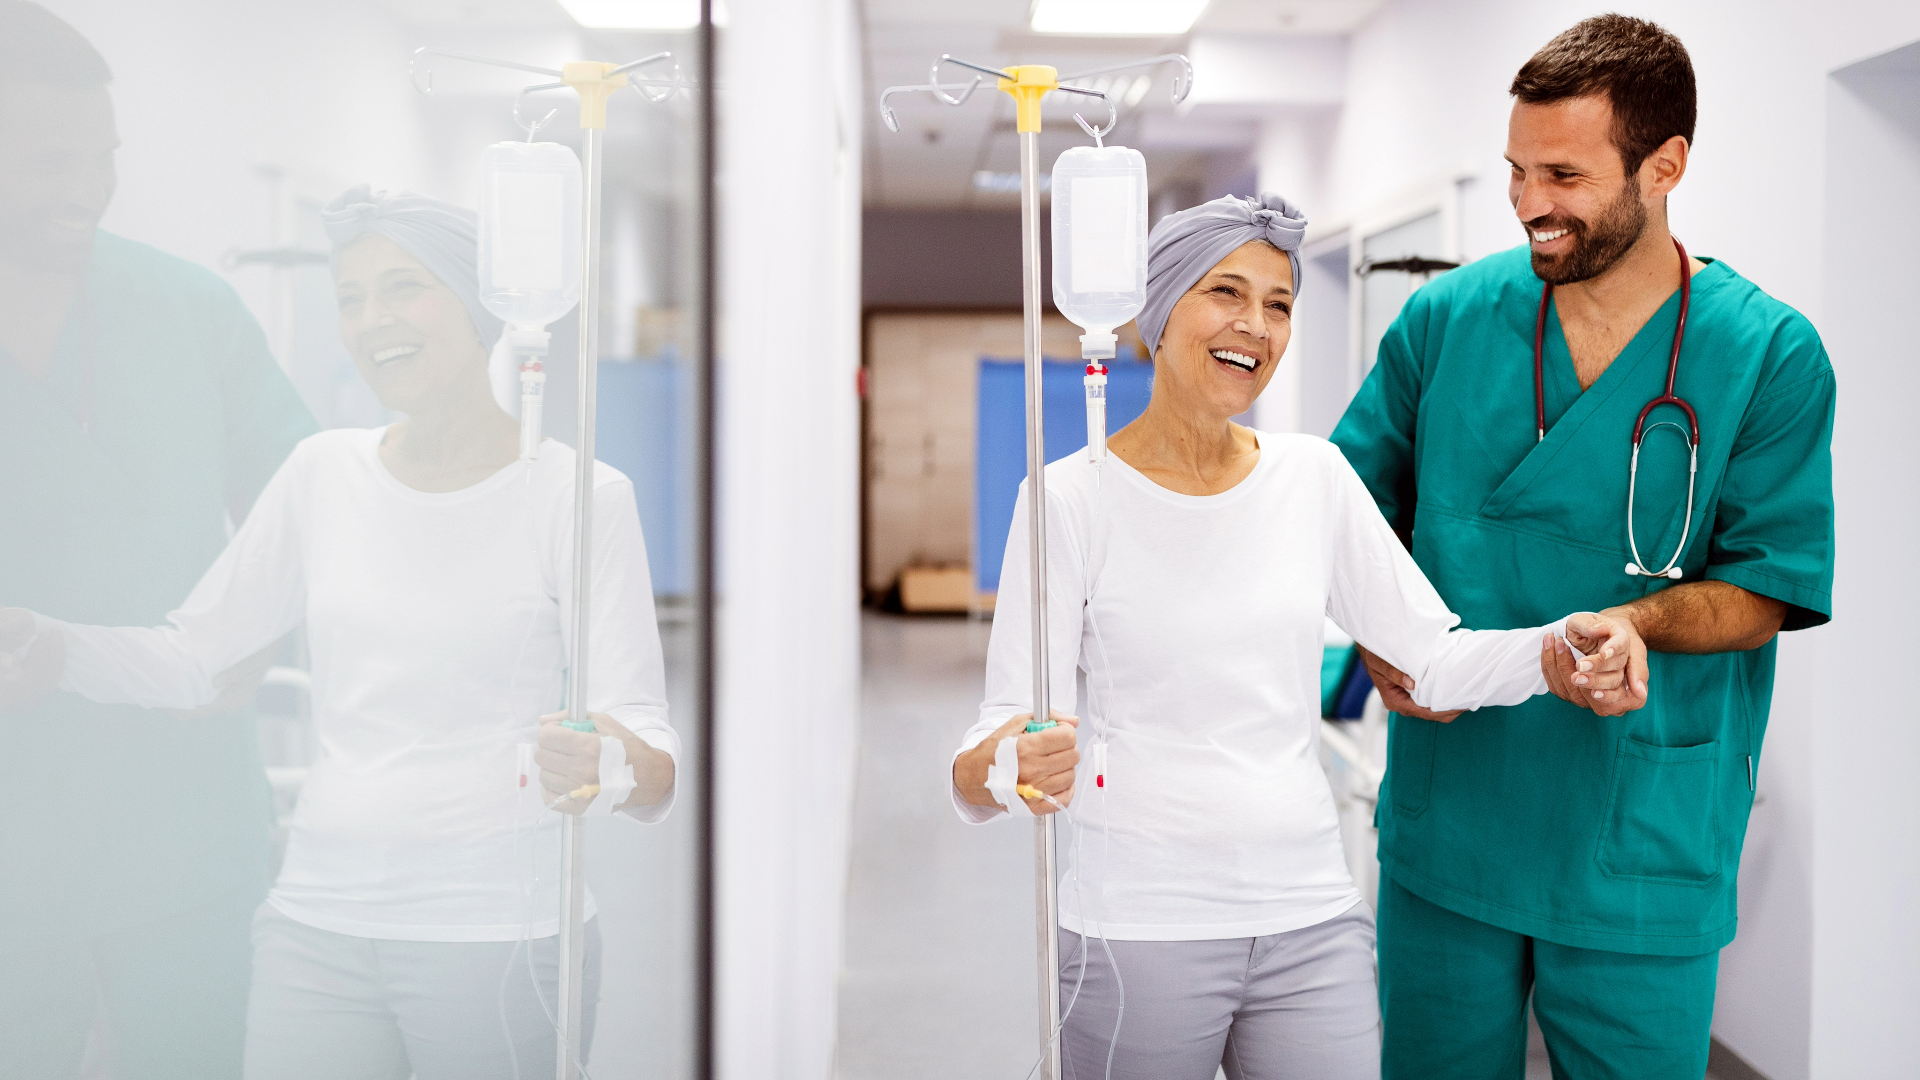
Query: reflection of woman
{"points": [[1189, 580], [431, 571]]}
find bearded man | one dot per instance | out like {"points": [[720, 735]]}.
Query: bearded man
{"points": [[1538, 422]]}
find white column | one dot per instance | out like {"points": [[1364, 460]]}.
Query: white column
{"points": [[788, 540]]}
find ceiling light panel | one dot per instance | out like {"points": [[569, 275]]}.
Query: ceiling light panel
{"points": [[1116, 17], [634, 14]]}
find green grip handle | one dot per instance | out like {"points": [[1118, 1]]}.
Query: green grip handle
{"points": [[1040, 725], [578, 725]]}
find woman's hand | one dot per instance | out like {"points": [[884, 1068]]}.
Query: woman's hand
{"points": [[1047, 761], [1612, 680], [30, 662], [570, 760]]}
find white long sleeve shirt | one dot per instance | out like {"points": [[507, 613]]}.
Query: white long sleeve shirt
{"points": [[438, 626], [1190, 629]]}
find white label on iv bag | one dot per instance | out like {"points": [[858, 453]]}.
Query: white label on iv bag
{"points": [[1103, 257], [528, 208]]}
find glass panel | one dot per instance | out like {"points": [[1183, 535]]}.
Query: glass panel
{"points": [[1386, 290], [283, 601]]}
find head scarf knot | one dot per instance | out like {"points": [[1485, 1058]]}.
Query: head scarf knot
{"points": [[1183, 247], [445, 239]]}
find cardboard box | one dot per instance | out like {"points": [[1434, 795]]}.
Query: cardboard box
{"points": [[936, 589]]}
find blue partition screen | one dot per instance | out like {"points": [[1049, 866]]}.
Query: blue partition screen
{"points": [[645, 431], [1000, 439]]}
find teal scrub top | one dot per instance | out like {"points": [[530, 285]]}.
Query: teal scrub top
{"points": [[1619, 833], [111, 816]]}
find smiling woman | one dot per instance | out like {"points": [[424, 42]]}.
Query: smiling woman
{"points": [[1191, 589], [426, 567]]}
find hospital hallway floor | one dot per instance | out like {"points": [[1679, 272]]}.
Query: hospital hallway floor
{"points": [[938, 979]]}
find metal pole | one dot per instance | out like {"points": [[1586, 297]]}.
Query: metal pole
{"points": [[706, 1005], [1046, 900], [573, 866]]}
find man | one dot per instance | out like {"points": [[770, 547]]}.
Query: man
{"points": [[139, 412], [1588, 859]]}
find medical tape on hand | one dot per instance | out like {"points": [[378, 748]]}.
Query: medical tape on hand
{"points": [[616, 778], [1003, 776]]}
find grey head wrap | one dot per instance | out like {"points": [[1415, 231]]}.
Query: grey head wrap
{"points": [[1184, 246], [444, 237]]}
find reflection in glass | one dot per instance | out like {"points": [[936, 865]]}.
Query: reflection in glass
{"points": [[189, 572]]}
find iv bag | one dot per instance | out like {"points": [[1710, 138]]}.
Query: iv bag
{"points": [[529, 232], [1099, 241]]}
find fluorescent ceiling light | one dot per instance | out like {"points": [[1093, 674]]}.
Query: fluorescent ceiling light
{"points": [[1115, 16], [634, 14], [1006, 183]]}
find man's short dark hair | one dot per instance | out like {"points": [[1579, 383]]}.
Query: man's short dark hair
{"points": [[38, 45], [1641, 67]]}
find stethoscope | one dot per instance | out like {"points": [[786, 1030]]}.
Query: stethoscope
{"points": [[1637, 566]]}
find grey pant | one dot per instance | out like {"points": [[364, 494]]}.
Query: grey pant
{"points": [[329, 1006], [1299, 1006]]}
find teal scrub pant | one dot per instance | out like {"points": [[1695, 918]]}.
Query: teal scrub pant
{"points": [[1454, 990]]}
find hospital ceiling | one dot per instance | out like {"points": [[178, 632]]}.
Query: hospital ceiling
{"points": [[932, 161]]}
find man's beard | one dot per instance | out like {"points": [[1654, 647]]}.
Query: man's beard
{"points": [[1597, 244]]}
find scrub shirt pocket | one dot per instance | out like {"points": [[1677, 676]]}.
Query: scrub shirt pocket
{"points": [[1410, 763], [1663, 819]]}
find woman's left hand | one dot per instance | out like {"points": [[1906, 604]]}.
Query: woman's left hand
{"points": [[30, 662], [570, 760], [1612, 679]]}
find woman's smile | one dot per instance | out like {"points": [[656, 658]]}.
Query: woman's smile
{"points": [[1236, 361], [392, 353]]}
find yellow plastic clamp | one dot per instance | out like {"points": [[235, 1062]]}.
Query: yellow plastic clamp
{"points": [[589, 79], [1028, 83]]}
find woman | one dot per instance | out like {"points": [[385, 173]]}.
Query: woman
{"points": [[1189, 579], [431, 570]]}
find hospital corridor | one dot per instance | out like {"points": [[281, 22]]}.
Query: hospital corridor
{"points": [[910, 540]]}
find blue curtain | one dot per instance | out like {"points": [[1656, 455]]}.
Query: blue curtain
{"points": [[1000, 443], [644, 429]]}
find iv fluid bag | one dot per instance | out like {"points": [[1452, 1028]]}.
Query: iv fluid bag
{"points": [[529, 232], [1100, 236]]}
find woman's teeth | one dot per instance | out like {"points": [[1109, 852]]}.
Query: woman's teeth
{"points": [[1545, 237], [395, 352], [1239, 360]]}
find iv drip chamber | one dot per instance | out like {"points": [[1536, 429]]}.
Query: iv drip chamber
{"points": [[530, 263]]}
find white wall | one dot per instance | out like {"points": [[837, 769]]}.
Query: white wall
{"points": [[1426, 95], [1866, 956], [789, 213]]}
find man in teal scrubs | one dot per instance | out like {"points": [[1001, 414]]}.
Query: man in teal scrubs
{"points": [[139, 412], [1583, 853]]}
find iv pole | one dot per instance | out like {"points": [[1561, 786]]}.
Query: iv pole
{"points": [[594, 82], [1028, 84]]}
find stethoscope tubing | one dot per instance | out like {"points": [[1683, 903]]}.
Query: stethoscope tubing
{"points": [[1637, 566]]}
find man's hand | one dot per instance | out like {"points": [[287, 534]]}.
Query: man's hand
{"points": [[30, 662], [1396, 690], [1612, 678], [1047, 761]]}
